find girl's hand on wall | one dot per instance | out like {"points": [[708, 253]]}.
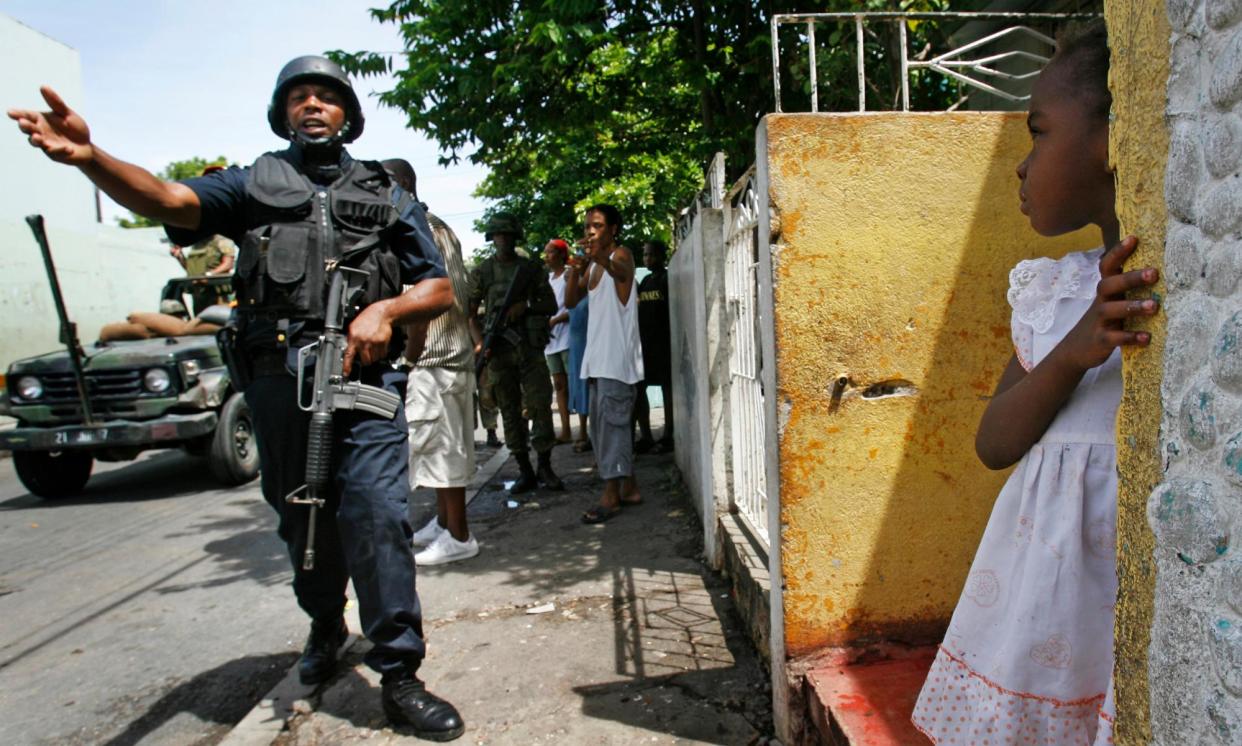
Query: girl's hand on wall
{"points": [[1102, 328]]}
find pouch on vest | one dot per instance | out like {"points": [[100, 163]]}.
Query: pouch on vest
{"points": [[273, 258]]}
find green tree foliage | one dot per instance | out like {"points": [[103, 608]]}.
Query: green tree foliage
{"points": [[571, 102], [175, 171]]}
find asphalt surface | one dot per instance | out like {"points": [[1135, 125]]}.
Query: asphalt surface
{"points": [[154, 608]]}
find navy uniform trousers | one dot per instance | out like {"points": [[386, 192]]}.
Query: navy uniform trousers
{"points": [[362, 532]]}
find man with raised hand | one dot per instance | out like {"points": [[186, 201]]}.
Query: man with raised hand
{"points": [[613, 361], [296, 215]]}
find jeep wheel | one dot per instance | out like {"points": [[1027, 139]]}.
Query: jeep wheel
{"points": [[53, 474], [234, 454]]}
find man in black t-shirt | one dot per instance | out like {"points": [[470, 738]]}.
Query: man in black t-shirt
{"points": [[653, 330]]}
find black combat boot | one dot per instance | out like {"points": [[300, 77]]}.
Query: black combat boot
{"points": [[527, 481], [492, 440], [407, 702], [319, 656], [546, 476]]}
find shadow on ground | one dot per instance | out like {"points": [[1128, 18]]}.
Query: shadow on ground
{"points": [[250, 550], [154, 477], [219, 698]]}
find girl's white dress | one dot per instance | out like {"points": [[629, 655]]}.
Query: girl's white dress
{"points": [[1028, 656]]}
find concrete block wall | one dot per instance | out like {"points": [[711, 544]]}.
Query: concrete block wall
{"points": [[1195, 659], [695, 306]]}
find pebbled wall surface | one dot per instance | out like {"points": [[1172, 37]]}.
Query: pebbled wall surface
{"points": [[1195, 657]]}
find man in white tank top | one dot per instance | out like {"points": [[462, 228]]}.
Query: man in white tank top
{"points": [[613, 360]]}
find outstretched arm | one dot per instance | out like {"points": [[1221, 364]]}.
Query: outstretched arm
{"points": [[63, 136], [1025, 403]]}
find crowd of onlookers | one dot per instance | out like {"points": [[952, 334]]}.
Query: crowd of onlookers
{"points": [[581, 335], [589, 311]]}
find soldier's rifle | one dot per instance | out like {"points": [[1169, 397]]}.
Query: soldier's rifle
{"points": [[497, 326], [331, 393]]}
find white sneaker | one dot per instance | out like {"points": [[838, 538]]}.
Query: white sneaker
{"points": [[427, 534], [446, 549]]}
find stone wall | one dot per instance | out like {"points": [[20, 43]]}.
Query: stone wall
{"points": [[1195, 664]]}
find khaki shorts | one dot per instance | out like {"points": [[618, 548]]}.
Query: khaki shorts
{"points": [[439, 406], [558, 362]]}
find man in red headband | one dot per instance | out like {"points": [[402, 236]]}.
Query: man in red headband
{"points": [[555, 255]]}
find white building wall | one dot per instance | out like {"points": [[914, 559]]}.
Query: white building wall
{"points": [[105, 271]]}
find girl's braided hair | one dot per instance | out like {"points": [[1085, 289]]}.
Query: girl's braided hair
{"points": [[1082, 48]]}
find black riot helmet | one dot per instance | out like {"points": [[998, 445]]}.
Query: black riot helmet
{"points": [[314, 69]]}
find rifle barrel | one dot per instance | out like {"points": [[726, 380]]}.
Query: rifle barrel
{"points": [[68, 333]]}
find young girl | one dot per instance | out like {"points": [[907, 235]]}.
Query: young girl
{"points": [[1027, 657]]}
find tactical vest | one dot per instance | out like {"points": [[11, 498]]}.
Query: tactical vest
{"points": [[295, 227]]}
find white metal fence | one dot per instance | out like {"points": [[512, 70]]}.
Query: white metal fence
{"points": [[746, 418], [977, 63]]}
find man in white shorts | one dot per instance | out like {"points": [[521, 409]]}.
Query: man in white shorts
{"points": [[439, 405]]}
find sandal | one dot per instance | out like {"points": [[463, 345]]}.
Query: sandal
{"points": [[599, 514]]}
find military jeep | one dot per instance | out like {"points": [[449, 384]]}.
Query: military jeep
{"points": [[164, 392]]}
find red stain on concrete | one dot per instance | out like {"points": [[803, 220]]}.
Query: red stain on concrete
{"points": [[869, 703]]}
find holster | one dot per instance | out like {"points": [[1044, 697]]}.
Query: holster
{"points": [[240, 371]]}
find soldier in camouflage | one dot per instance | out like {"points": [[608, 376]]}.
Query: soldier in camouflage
{"points": [[516, 366], [213, 255]]}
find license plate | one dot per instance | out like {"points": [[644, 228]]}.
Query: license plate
{"points": [[81, 437]]}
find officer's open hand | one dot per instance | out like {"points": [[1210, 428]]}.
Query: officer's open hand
{"points": [[368, 337], [60, 133]]}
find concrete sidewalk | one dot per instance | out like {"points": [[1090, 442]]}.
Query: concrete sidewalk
{"points": [[560, 632]]}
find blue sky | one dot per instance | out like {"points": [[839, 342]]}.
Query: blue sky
{"points": [[174, 79]]}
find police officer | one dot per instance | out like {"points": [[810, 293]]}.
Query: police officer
{"points": [[294, 213], [516, 367]]}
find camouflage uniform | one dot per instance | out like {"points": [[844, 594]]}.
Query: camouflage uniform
{"points": [[201, 257], [518, 373]]}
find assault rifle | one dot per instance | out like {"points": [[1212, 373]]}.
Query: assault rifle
{"points": [[497, 327], [331, 392]]}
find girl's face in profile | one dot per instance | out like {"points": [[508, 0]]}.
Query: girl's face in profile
{"points": [[1066, 181]]}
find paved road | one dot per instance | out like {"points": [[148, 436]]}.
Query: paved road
{"points": [[153, 608]]}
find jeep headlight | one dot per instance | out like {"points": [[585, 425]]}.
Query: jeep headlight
{"points": [[189, 372], [29, 387], [156, 380]]}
